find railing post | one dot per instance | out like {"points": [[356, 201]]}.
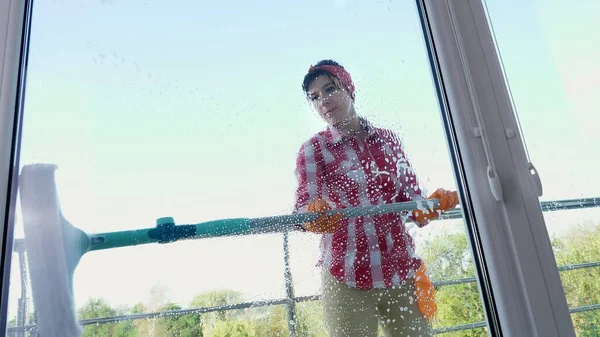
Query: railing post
{"points": [[22, 303], [289, 287]]}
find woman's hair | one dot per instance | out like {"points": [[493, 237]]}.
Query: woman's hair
{"points": [[316, 72]]}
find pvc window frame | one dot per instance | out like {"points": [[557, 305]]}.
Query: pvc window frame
{"points": [[14, 26], [518, 257]]}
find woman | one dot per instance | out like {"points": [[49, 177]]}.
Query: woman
{"points": [[370, 273]]}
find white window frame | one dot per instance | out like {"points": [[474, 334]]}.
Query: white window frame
{"points": [[12, 22], [512, 235], [524, 278]]}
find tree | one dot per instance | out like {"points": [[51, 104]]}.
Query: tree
{"points": [[188, 325], [447, 257], [310, 321], [234, 328], [216, 298], [97, 308], [152, 327], [581, 286], [270, 321]]}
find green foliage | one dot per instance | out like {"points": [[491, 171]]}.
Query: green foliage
{"points": [[216, 298], [181, 326], [448, 257], [234, 328], [97, 308], [581, 286], [310, 321], [271, 321]]}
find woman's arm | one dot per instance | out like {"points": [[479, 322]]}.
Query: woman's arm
{"points": [[411, 191], [310, 196], [409, 187], [308, 177]]}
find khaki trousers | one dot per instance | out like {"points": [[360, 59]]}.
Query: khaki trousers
{"points": [[351, 312]]}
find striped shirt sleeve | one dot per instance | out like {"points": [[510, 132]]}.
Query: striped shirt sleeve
{"points": [[308, 176], [410, 189]]}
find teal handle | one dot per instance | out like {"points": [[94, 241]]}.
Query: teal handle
{"points": [[245, 226], [216, 228], [120, 239]]}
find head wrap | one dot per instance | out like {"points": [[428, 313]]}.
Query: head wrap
{"points": [[340, 73]]}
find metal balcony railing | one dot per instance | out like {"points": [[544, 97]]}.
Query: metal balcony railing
{"points": [[290, 300]]}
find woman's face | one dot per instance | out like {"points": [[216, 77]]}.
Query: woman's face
{"points": [[330, 101]]}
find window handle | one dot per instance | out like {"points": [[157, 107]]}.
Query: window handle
{"points": [[494, 182], [536, 179]]}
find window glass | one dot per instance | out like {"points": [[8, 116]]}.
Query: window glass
{"points": [[196, 111]]}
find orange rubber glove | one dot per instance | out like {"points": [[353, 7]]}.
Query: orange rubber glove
{"points": [[425, 293], [324, 223], [448, 200]]}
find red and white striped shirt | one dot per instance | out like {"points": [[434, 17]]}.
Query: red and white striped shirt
{"points": [[370, 251]]}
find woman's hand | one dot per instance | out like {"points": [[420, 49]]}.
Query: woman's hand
{"points": [[425, 292], [324, 223], [448, 200]]}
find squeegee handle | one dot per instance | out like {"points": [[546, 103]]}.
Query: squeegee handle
{"points": [[166, 231], [300, 218]]}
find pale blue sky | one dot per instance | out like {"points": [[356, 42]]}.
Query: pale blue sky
{"points": [[195, 111]]}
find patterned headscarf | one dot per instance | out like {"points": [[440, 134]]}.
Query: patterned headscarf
{"points": [[341, 74]]}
